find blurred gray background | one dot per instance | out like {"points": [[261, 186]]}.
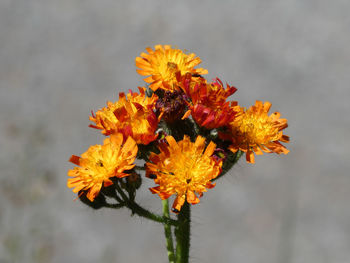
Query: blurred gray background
{"points": [[61, 59]]}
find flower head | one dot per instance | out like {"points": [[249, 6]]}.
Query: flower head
{"points": [[171, 106], [183, 168], [209, 107], [162, 64], [101, 162], [131, 115], [253, 130]]}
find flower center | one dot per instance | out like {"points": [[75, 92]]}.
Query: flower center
{"points": [[258, 128], [100, 163], [172, 66]]}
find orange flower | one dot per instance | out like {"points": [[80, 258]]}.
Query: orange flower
{"points": [[209, 106], [183, 168], [101, 162], [254, 131], [132, 116], [162, 64]]}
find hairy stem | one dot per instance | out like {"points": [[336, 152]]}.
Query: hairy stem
{"points": [[168, 233], [182, 233]]}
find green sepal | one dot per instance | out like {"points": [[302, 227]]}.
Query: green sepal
{"points": [[99, 202]]}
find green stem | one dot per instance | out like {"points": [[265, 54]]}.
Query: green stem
{"points": [[140, 211], [121, 192], [182, 233], [167, 232]]}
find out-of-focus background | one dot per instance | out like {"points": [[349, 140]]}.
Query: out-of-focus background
{"points": [[61, 59]]}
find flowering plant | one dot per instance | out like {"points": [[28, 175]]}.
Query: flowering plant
{"points": [[186, 133]]}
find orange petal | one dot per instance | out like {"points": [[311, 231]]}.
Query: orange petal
{"points": [[284, 138], [210, 149], [93, 192], [163, 195], [116, 139], [149, 79], [258, 151], [107, 183], [172, 142], [233, 149], [178, 203], [155, 190], [267, 106], [75, 159], [192, 198], [187, 113], [250, 156], [142, 72]]}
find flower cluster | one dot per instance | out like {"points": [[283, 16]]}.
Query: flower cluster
{"points": [[184, 128]]}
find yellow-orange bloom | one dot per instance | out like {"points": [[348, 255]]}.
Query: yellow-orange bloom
{"points": [[101, 162], [209, 107], [131, 115], [183, 168], [253, 130], [162, 65]]}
